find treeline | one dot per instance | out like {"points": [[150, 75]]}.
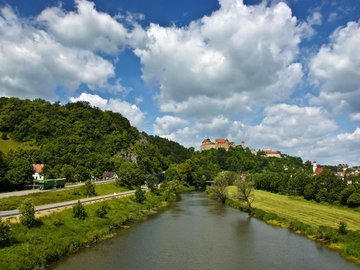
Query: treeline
{"points": [[287, 175], [76, 141]]}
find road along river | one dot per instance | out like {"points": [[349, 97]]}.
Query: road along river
{"points": [[199, 233]]}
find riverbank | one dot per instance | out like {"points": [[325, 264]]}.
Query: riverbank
{"points": [[321, 221], [60, 234]]}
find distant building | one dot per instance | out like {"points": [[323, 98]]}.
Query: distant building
{"points": [[207, 144], [37, 171], [271, 153], [109, 176], [316, 169]]}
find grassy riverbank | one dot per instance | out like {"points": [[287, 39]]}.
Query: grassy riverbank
{"points": [[61, 234], [56, 196], [318, 222]]}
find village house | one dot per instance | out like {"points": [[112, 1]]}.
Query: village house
{"points": [[271, 153], [109, 176], [37, 171]]}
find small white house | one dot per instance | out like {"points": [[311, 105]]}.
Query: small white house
{"points": [[37, 171]]}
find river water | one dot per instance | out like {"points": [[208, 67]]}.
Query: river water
{"points": [[199, 233]]}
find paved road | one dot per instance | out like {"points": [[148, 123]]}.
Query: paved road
{"points": [[14, 213], [26, 192]]}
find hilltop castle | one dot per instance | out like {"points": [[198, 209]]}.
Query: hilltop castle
{"points": [[207, 144]]}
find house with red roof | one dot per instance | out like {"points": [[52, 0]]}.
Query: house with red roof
{"points": [[271, 153], [37, 171]]}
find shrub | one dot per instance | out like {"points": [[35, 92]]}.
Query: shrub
{"points": [[27, 213], [139, 195], [102, 211], [89, 189], [354, 200], [79, 211], [5, 232], [342, 229]]}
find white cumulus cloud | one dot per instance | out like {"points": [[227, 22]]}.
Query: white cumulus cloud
{"points": [[336, 69], [33, 63], [237, 57], [85, 28], [130, 111]]}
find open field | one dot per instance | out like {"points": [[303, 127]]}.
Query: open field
{"points": [[7, 145], [308, 212], [49, 197]]}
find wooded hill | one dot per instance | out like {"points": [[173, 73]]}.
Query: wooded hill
{"points": [[76, 141]]}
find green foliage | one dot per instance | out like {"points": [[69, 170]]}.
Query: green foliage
{"points": [[342, 229], [130, 175], [221, 181], [139, 195], [102, 211], [354, 200], [171, 189], [79, 211], [245, 189], [27, 213], [89, 189], [5, 233]]}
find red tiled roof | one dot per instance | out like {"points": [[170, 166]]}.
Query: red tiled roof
{"points": [[269, 152], [318, 170], [221, 140], [38, 167]]}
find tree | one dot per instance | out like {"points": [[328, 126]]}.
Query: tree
{"points": [[103, 210], [79, 211], [171, 189], [129, 175], [21, 171], [89, 189], [221, 181], [27, 213], [245, 187], [5, 233], [342, 229], [139, 195], [354, 200], [81, 173]]}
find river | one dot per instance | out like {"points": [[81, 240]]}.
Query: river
{"points": [[199, 233]]}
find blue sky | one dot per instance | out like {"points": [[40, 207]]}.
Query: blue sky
{"points": [[281, 75]]}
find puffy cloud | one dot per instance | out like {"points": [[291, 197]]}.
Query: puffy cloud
{"points": [[33, 63], [335, 69], [355, 116], [315, 18], [85, 28], [130, 111], [227, 62], [167, 124]]}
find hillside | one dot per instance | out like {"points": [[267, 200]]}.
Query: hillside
{"points": [[75, 141]]}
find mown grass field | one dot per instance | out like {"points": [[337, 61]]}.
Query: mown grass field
{"points": [[311, 213], [7, 145], [48, 197]]}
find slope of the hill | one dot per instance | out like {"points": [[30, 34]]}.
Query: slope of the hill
{"points": [[76, 141]]}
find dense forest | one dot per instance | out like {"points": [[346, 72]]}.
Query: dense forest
{"points": [[76, 141]]}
